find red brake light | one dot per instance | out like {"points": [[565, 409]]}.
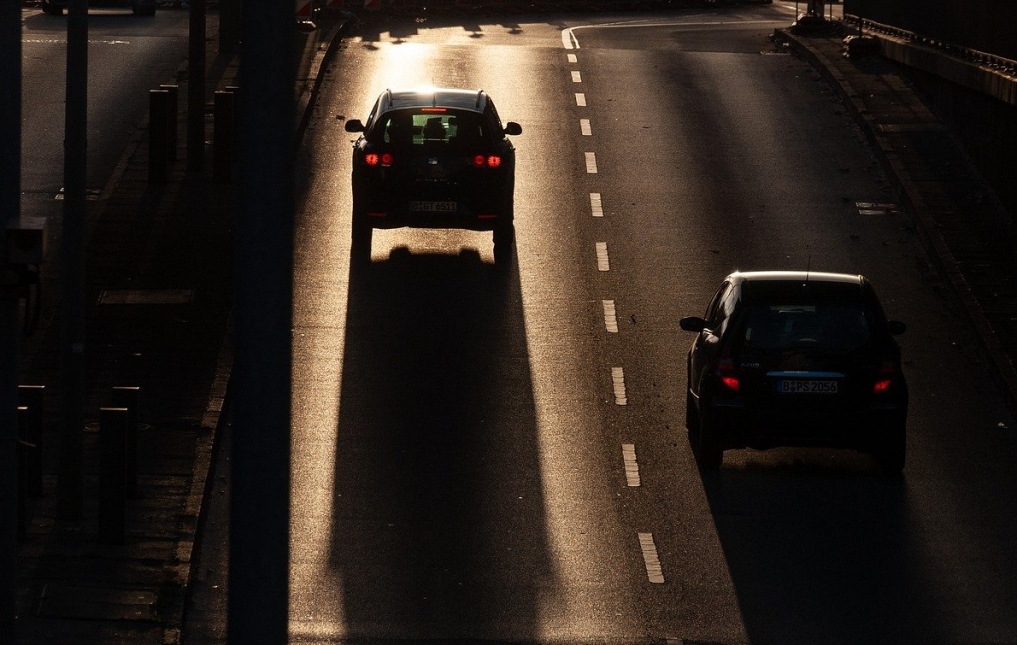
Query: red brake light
{"points": [[371, 159], [491, 161], [386, 159], [885, 377], [726, 372], [433, 110]]}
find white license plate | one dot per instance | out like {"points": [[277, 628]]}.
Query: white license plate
{"points": [[434, 207], [804, 386]]}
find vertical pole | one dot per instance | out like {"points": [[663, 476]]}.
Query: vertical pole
{"points": [[171, 120], [223, 137], [31, 396], [196, 87], [259, 504], [70, 496], [129, 397], [158, 135], [113, 475], [10, 209]]}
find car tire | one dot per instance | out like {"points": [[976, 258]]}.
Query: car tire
{"points": [[504, 245], [708, 446], [360, 247], [892, 453]]}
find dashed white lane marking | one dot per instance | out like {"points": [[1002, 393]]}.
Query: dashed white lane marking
{"points": [[569, 40], [653, 570], [573, 58], [596, 205], [631, 465], [591, 163], [610, 316], [618, 379], [603, 261], [577, 77], [580, 99], [584, 127]]}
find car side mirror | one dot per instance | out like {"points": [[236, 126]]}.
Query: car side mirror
{"points": [[896, 327], [692, 323], [354, 125], [513, 128]]}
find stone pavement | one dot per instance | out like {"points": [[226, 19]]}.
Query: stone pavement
{"points": [[159, 261], [964, 228], [158, 304]]}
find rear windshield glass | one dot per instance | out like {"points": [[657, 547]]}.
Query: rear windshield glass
{"points": [[432, 127], [826, 327]]}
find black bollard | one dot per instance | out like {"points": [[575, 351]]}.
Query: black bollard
{"points": [[112, 475], [222, 137], [129, 397], [24, 448], [171, 121], [158, 109], [31, 397]]}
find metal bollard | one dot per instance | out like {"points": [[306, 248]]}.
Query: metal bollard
{"points": [[112, 475], [158, 109], [129, 397], [23, 450], [171, 120], [31, 397], [222, 138]]}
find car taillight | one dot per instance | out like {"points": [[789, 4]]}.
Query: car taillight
{"points": [[373, 159], [885, 377], [491, 161], [726, 372]]}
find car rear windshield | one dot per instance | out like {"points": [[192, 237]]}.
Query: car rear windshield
{"points": [[430, 127], [826, 327]]}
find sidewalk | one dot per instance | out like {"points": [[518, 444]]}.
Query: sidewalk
{"points": [[964, 228], [158, 304]]}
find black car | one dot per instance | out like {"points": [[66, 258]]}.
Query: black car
{"points": [[788, 358], [433, 158], [138, 7]]}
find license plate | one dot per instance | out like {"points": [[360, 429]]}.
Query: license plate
{"points": [[434, 207], [803, 386]]}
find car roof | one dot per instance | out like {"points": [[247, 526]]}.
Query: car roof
{"points": [[474, 100], [796, 277]]}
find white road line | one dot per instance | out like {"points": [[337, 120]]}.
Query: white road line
{"points": [[577, 77], [653, 569], [603, 262], [610, 316], [631, 465], [591, 163], [618, 379], [573, 58], [596, 206], [580, 99], [584, 127], [568, 39]]}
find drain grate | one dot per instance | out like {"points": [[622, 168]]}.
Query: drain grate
{"points": [[146, 297], [97, 603]]}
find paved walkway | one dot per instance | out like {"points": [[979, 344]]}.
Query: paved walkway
{"points": [[158, 317]]}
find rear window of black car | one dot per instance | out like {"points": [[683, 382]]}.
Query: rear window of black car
{"points": [[828, 327], [432, 127]]}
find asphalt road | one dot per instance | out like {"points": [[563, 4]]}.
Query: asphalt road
{"points": [[465, 446]]}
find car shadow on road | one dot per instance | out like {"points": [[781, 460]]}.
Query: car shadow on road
{"points": [[439, 519]]}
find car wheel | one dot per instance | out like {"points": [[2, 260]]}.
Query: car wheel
{"points": [[892, 453], [708, 445], [504, 245], [360, 248]]}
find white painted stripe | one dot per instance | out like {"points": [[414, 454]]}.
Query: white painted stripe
{"points": [[603, 261], [631, 465], [584, 127], [577, 77], [653, 569], [596, 206], [573, 58], [580, 99], [569, 40], [618, 379], [591, 163], [610, 316]]}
